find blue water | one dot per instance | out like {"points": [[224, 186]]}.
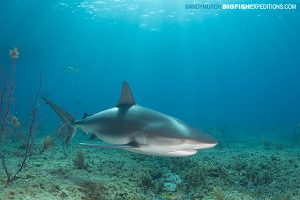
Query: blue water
{"points": [[233, 73], [202, 66]]}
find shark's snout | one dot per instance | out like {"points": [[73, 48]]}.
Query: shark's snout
{"points": [[204, 142], [205, 145], [213, 142], [209, 143]]}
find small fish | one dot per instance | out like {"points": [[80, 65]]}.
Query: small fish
{"points": [[15, 121], [73, 69]]}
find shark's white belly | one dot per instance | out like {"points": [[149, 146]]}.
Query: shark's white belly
{"points": [[157, 150], [163, 151]]}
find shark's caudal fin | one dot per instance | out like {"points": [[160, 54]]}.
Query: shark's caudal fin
{"points": [[67, 129]]}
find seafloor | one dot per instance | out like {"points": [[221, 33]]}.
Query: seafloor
{"points": [[235, 170]]}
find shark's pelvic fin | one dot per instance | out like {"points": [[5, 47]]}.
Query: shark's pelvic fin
{"points": [[126, 98], [105, 146]]}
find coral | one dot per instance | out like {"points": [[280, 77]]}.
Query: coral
{"points": [[171, 182], [79, 161]]}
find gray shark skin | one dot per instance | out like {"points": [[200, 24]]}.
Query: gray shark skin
{"points": [[138, 129]]}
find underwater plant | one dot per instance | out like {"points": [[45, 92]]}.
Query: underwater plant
{"points": [[47, 143], [3, 87], [79, 161], [28, 146], [14, 54], [5, 112], [218, 194]]}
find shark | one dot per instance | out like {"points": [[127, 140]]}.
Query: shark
{"points": [[129, 126]]}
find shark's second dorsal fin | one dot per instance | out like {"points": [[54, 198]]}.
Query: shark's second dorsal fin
{"points": [[126, 98]]}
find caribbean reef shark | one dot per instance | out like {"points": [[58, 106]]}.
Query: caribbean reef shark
{"points": [[132, 127]]}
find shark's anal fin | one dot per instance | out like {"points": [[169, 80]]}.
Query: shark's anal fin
{"points": [[105, 146], [126, 98]]}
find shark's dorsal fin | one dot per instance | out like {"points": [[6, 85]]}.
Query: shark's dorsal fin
{"points": [[126, 98]]}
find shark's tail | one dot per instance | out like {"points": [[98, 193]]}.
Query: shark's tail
{"points": [[68, 128]]}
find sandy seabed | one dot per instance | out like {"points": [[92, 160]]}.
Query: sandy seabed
{"points": [[233, 171]]}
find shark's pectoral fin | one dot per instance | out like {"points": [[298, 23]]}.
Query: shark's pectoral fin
{"points": [[107, 146]]}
